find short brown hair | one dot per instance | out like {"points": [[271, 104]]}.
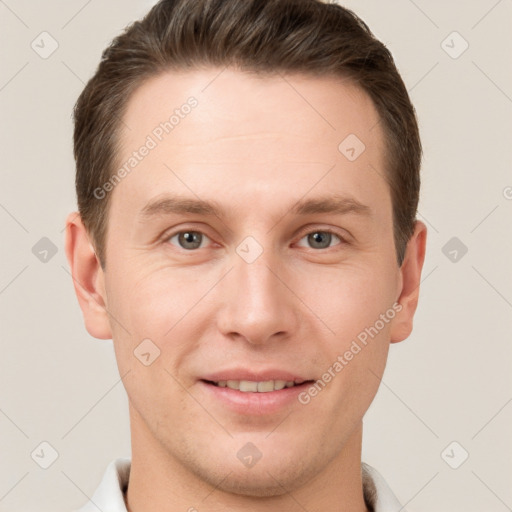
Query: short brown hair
{"points": [[262, 36]]}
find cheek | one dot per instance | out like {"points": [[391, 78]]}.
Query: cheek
{"points": [[348, 299], [149, 299], [155, 304], [356, 304], [153, 333]]}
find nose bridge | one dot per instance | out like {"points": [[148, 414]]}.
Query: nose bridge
{"points": [[256, 282], [259, 306]]}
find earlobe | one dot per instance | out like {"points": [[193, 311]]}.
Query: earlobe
{"points": [[410, 276], [88, 278]]}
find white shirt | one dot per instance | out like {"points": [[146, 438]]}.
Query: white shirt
{"points": [[109, 496]]}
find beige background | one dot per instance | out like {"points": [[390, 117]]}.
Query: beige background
{"points": [[451, 381]]}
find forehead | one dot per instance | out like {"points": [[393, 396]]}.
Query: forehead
{"points": [[305, 106], [215, 130]]}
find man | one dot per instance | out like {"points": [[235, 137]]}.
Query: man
{"points": [[247, 181]]}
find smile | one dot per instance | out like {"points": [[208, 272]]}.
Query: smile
{"points": [[249, 386]]}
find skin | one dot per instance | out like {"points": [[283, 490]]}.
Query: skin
{"points": [[255, 147]]}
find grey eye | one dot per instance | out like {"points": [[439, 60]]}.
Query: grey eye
{"points": [[188, 240], [320, 239]]}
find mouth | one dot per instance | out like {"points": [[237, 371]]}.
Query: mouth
{"points": [[250, 386], [254, 391]]}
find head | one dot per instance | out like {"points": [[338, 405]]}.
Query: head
{"points": [[247, 183]]}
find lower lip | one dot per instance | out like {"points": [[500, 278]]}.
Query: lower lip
{"points": [[253, 402]]}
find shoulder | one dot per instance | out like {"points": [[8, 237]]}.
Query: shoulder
{"points": [[377, 494], [109, 495]]}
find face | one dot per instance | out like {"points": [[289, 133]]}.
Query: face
{"points": [[247, 245]]}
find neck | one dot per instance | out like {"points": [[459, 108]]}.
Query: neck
{"points": [[159, 482]]}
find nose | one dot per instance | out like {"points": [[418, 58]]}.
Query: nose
{"points": [[259, 305]]}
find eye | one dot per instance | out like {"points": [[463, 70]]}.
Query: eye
{"points": [[321, 239], [191, 240], [188, 240]]}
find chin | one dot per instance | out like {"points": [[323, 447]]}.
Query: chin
{"points": [[263, 481], [272, 475], [265, 487]]}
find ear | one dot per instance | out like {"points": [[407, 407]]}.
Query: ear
{"points": [[410, 277], [88, 278]]}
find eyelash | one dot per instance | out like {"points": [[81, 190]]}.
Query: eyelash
{"points": [[168, 237]]}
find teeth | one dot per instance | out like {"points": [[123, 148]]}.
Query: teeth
{"points": [[247, 385], [252, 386]]}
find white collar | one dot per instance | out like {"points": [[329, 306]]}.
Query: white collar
{"points": [[109, 496]]}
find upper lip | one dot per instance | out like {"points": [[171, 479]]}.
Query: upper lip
{"points": [[255, 376]]}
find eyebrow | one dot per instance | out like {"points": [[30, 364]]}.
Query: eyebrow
{"points": [[336, 204]]}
